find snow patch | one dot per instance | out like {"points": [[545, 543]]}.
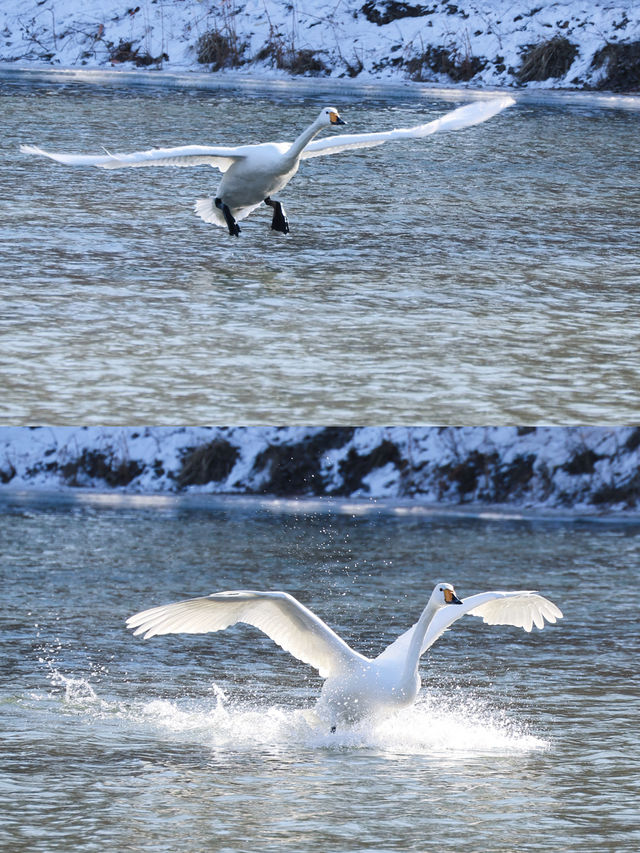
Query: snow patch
{"points": [[470, 42], [593, 468]]}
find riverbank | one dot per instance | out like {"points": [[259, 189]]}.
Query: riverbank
{"points": [[590, 469], [568, 45]]}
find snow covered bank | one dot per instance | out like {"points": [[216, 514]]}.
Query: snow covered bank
{"points": [[575, 44], [591, 468]]}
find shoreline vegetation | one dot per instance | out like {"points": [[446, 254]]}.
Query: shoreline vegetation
{"points": [[588, 47], [594, 470]]}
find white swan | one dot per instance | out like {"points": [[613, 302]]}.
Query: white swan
{"points": [[253, 173], [355, 686]]}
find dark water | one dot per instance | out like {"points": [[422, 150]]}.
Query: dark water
{"points": [[518, 742], [489, 276]]}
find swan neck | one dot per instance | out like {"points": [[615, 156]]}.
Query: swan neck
{"points": [[298, 146], [422, 625]]}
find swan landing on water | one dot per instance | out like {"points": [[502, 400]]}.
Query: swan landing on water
{"points": [[252, 174], [356, 687]]}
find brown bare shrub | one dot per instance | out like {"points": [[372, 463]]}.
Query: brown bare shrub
{"points": [[285, 56], [220, 49], [212, 462], [125, 51], [459, 66], [95, 464], [550, 58], [622, 66]]}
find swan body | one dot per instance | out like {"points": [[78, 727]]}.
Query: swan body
{"points": [[252, 174], [355, 686]]}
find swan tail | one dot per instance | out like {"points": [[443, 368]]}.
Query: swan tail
{"points": [[206, 209]]}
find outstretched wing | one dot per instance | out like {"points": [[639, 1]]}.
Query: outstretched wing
{"points": [[455, 120], [187, 155], [523, 609], [279, 615]]}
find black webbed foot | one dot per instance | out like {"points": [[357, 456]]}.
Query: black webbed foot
{"points": [[232, 225], [279, 221]]}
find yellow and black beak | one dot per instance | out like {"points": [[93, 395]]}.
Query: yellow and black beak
{"points": [[450, 597], [335, 119]]}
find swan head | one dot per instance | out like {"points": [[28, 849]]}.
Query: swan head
{"points": [[444, 594], [330, 115]]}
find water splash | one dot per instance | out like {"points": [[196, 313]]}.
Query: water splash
{"points": [[437, 725], [434, 726], [74, 694], [79, 696]]}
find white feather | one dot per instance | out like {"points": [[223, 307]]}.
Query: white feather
{"points": [[279, 615], [522, 609], [188, 155], [455, 120], [253, 173], [355, 686]]}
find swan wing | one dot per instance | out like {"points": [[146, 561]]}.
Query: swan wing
{"points": [[455, 120], [523, 609], [277, 614], [187, 155]]}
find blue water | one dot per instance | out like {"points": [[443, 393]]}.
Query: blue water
{"points": [[186, 743], [486, 276]]}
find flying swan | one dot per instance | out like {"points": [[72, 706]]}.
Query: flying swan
{"points": [[252, 174], [355, 687]]}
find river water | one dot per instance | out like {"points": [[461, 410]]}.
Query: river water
{"points": [[518, 741], [487, 276]]}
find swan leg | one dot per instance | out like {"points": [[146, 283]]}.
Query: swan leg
{"points": [[279, 221], [232, 225]]}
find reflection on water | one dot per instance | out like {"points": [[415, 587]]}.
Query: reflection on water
{"points": [[518, 741], [490, 275]]}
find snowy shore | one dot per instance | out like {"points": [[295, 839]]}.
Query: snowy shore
{"points": [[574, 45], [593, 469]]}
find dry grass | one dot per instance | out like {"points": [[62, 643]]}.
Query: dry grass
{"points": [[353, 68], [283, 54], [355, 467], [386, 12], [551, 58], [297, 469], [126, 52], [220, 50], [459, 66], [212, 462], [221, 46], [95, 464], [622, 66]]}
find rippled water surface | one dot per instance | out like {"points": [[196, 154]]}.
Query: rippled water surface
{"points": [[486, 276], [189, 743]]}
